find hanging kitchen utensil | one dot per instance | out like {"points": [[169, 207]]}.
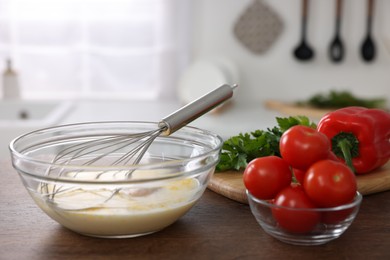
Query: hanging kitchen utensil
{"points": [[336, 48], [258, 27], [368, 50], [304, 52]]}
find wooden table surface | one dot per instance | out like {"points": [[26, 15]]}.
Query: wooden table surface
{"points": [[216, 228]]}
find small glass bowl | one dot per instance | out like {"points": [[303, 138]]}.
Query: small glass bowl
{"points": [[330, 223], [97, 192]]}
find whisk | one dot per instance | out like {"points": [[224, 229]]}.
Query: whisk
{"points": [[100, 148], [166, 126]]}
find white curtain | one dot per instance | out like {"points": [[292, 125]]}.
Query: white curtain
{"points": [[95, 48]]}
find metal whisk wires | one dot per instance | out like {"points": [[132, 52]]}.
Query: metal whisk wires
{"points": [[125, 149], [85, 149]]}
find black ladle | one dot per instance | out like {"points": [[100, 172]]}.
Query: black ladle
{"points": [[304, 52], [368, 47], [336, 48]]}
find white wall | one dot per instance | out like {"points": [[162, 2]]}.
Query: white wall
{"points": [[276, 74]]}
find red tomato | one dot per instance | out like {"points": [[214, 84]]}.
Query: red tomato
{"points": [[292, 220], [264, 177], [299, 175], [332, 156], [335, 217], [301, 146], [329, 183]]}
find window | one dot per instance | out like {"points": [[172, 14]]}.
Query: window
{"points": [[95, 48]]}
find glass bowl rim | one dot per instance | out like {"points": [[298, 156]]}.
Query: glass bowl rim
{"points": [[356, 201], [150, 166]]}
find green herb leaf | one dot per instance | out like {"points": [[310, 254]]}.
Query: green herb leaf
{"points": [[239, 150], [286, 122], [339, 99]]}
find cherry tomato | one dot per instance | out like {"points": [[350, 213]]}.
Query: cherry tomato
{"points": [[330, 183], [335, 217], [333, 157], [293, 220], [264, 177], [301, 146], [299, 175]]}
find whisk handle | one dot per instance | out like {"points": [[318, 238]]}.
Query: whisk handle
{"points": [[195, 109]]}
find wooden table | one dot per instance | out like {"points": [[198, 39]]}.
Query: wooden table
{"points": [[216, 228]]}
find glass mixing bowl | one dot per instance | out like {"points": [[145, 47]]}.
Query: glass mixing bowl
{"points": [[96, 191]]}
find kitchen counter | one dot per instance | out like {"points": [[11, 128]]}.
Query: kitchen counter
{"points": [[236, 117], [216, 228]]}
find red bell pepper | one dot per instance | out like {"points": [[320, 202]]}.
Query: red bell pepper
{"points": [[359, 136]]}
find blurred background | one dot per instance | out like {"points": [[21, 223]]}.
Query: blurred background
{"points": [[139, 49], [276, 73], [173, 50]]}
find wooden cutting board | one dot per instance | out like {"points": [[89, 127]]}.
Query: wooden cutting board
{"points": [[230, 185], [294, 110]]}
